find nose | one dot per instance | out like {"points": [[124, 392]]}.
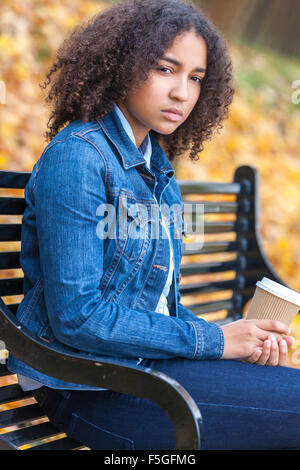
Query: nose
{"points": [[179, 91]]}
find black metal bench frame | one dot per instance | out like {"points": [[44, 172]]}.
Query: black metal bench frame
{"points": [[249, 265]]}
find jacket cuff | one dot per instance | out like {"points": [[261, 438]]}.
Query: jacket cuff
{"points": [[209, 340]]}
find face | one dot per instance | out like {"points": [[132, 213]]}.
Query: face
{"points": [[175, 83]]}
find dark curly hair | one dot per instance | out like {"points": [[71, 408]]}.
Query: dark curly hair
{"points": [[116, 48]]}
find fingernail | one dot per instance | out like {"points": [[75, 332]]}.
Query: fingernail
{"points": [[268, 343], [272, 338]]}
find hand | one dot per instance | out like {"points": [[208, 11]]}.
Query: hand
{"points": [[245, 337], [271, 354]]}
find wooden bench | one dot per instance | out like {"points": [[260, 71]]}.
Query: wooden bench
{"points": [[221, 295]]}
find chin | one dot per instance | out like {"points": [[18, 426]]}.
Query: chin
{"points": [[165, 131]]}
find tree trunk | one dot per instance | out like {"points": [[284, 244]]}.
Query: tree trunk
{"points": [[273, 23], [223, 14]]}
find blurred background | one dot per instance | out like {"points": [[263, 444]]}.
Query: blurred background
{"points": [[263, 128]]}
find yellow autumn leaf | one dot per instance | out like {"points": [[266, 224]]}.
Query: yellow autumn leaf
{"points": [[234, 143], [71, 21], [3, 159], [21, 71], [282, 244], [6, 130], [9, 45]]}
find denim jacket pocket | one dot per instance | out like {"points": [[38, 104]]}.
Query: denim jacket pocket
{"points": [[133, 227], [97, 437]]}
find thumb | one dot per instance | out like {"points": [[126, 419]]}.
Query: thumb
{"points": [[273, 326], [254, 356], [289, 340]]}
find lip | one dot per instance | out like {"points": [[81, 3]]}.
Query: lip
{"points": [[173, 114]]}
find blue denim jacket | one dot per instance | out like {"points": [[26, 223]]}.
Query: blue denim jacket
{"points": [[93, 294]]}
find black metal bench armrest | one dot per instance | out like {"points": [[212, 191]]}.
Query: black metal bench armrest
{"points": [[140, 382]]}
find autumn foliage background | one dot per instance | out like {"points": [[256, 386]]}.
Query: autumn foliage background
{"points": [[263, 128]]}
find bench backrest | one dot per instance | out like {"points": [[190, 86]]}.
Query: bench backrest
{"points": [[219, 276]]}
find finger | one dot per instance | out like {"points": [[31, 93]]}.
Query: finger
{"points": [[264, 334], [274, 352], [254, 356], [265, 353], [282, 353], [272, 325]]}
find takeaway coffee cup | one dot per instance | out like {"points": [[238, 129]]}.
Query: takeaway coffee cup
{"points": [[274, 301]]}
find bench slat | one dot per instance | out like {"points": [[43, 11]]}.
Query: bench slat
{"points": [[9, 259], [209, 307], [11, 286], [13, 308], [190, 248], [215, 207], [12, 205], [206, 287], [18, 415], [12, 393], [28, 434], [211, 227], [192, 187], [10, 232], [13, 179], [65, 443], [4, 371], [205, 268]]}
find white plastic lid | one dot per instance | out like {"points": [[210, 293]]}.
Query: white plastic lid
{"points": [[281, 291]]}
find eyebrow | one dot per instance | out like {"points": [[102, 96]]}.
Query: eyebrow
{"points": [[176, 62]]}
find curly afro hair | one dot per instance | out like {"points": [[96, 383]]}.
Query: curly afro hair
{"points": [[116, 49]]}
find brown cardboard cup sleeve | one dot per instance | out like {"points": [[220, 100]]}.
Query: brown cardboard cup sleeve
{"points": [[272, 300]]}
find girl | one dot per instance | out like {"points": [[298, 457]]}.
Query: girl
{"points": [[101, 257]]}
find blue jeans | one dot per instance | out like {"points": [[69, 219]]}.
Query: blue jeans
{"points": [[243, 406]]}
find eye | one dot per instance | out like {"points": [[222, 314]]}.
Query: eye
{"points": [[200, 79], [167, 68], [163, 68]]}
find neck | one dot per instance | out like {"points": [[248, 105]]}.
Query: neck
{"points": [[139, 130]]}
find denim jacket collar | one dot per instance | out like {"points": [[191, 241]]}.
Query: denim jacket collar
{"points": [[130, 154]]}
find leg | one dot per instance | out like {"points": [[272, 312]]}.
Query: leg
{"points": [[107, 420], [244, 406]]}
